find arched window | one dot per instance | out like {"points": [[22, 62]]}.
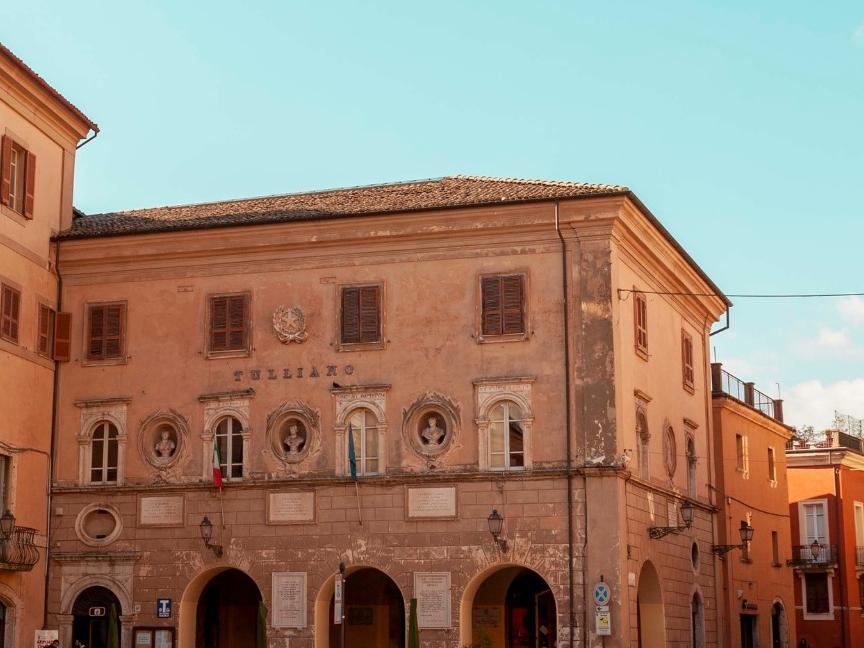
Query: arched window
{"points": [[698, 622], [229, 441], [691, 467], [506, 437], [367, 434], [642, 440], [103, 453]]}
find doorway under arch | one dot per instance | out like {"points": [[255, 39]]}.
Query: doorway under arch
{"points": [[96, 617], [220, 609], [779, 626], [650, 618], [508, 606]]}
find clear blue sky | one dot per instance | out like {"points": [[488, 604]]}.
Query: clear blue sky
{"points": [[738, 123]]}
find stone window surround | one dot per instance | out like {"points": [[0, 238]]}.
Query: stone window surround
{"points": [[348, 400], [216, 408], [94, 412], [13, 604], [10, 452], [489, 392], [643, 434], [98, 542]]}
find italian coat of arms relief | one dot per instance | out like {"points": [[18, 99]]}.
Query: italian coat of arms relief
{"points": [[289, 324]]}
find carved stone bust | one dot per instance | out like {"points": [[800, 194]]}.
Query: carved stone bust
{"points": [[432, 434], [166, 446], [162, 442], [294, 437]]}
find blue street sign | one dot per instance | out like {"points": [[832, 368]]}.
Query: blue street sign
{"points": [[163, 608]]}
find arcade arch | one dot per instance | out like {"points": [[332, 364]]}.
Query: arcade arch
{"points": [[650, 618]]}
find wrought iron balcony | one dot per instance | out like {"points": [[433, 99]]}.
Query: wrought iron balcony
{"points": [[723, 382], [18, 552], [859, 557], [806, 556]]}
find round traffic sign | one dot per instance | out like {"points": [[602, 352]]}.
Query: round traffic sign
{"points": [[602, 594]]}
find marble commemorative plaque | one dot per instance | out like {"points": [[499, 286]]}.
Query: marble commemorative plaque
{"points": [[296, 507], [161, 510], [432, 590], [289, 600], [432, 503]]}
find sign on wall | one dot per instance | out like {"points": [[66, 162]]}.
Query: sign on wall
{"points": [[163, 608], [289, 599], [44, 638], [432, 591]]}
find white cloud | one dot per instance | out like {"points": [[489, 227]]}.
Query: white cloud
{"points": [[830, 342], [858, 36], [852, 308], [832, 339], [812, 403]]}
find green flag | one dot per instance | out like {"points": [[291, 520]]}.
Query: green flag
{"points": [[413, 628], [113, 629], [352, 456], [261, 633]]}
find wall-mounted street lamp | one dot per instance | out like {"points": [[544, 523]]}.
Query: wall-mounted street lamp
{"points": [[7, 524], [496, 524], [655, 533], [206, 528], [815, 550], [746, 534]]}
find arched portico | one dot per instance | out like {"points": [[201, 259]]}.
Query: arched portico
{"points": [[218, 609], [73, 594], [650, 616], [375, 610], [508, 606]]}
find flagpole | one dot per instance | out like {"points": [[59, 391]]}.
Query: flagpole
{"points": [[357, 490], [352, 465]]}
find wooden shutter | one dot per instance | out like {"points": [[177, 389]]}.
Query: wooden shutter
{"points": [[229, 318], [512, 294], [350, 315], [5, 169], [95, 342], [44, 332], [503, 305], [370, 314], [11, 302], [640, 316], [29, 184], [113, 331], [62, 337], [106, 332], [687, 359]]}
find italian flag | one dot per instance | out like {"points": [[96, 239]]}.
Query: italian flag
{"points": [[217, 472]]}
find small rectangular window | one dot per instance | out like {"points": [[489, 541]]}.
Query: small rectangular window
{"points": [[17, 177], [742, 459], [229, 323], [45, 331], [360, 317], [502, 305], [816, 594], [10, 304], [775, 549], [640, 320], [772, 466], [5, 462], [687, 362], [106, 325]]}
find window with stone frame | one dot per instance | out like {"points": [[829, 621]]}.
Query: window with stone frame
{"points": [[506, 437], [643, 437], [17, 177], [106, 329], [640, 324], [10, 305], [360, 314], [502, 305], [228, 329], [229, 443], [687, 367], [104, 453], [365, 429], [691, 466], [816, 596]]}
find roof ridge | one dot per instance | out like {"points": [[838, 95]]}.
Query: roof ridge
{"points": [[533, 181]]}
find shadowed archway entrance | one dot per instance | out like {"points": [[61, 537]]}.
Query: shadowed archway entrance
{"points": [[374, 611], [96, 613], [226, 615], [650, 619], [509, 607]]}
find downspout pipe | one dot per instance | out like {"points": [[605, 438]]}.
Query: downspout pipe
{"points": [[89, 139], [565, 289], [841, 548]]}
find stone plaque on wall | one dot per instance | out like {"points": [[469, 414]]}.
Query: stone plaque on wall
{"points": [[432, 503], [297, 507], [161, 510], [289, 600], [432, 590]]}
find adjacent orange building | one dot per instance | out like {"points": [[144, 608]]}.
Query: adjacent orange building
{"points": [[39, 132], [826, 505], [753, 520]]}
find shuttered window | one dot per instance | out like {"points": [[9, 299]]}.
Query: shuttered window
{"points": [[17, 177], [640, 317], [361, 314], [687, 361], [105, 326], [503, 304], [63, 337], [10, 305], [45, 331], [229, 323]]}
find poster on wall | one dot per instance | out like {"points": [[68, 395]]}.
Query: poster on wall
{"points": [[46, 638]]}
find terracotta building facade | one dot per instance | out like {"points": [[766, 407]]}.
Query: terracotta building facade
{"points": [[752, 494], [39, 132], [826, 506], [501, 359]]}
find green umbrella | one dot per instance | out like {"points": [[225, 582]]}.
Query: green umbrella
{"points": [[261, 633], [113, 634], [413, 630]]}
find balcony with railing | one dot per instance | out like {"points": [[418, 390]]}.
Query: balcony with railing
{"points": [[813, 556], [18, 551], [723, 382], [859, 557]]}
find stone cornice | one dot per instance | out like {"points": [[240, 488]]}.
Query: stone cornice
{"points": [[100, 556]]}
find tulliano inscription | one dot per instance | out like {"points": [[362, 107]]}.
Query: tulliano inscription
{"points": [[289, 373]]}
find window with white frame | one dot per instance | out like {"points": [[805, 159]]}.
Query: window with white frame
{"points": [[813, 523], [104, 453], [817, 595], [859, 533], [5, 474], [506, 437], [229, 444], [365, 429]]}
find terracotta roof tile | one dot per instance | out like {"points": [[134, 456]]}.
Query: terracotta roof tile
{"points": [[439, 193]]}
